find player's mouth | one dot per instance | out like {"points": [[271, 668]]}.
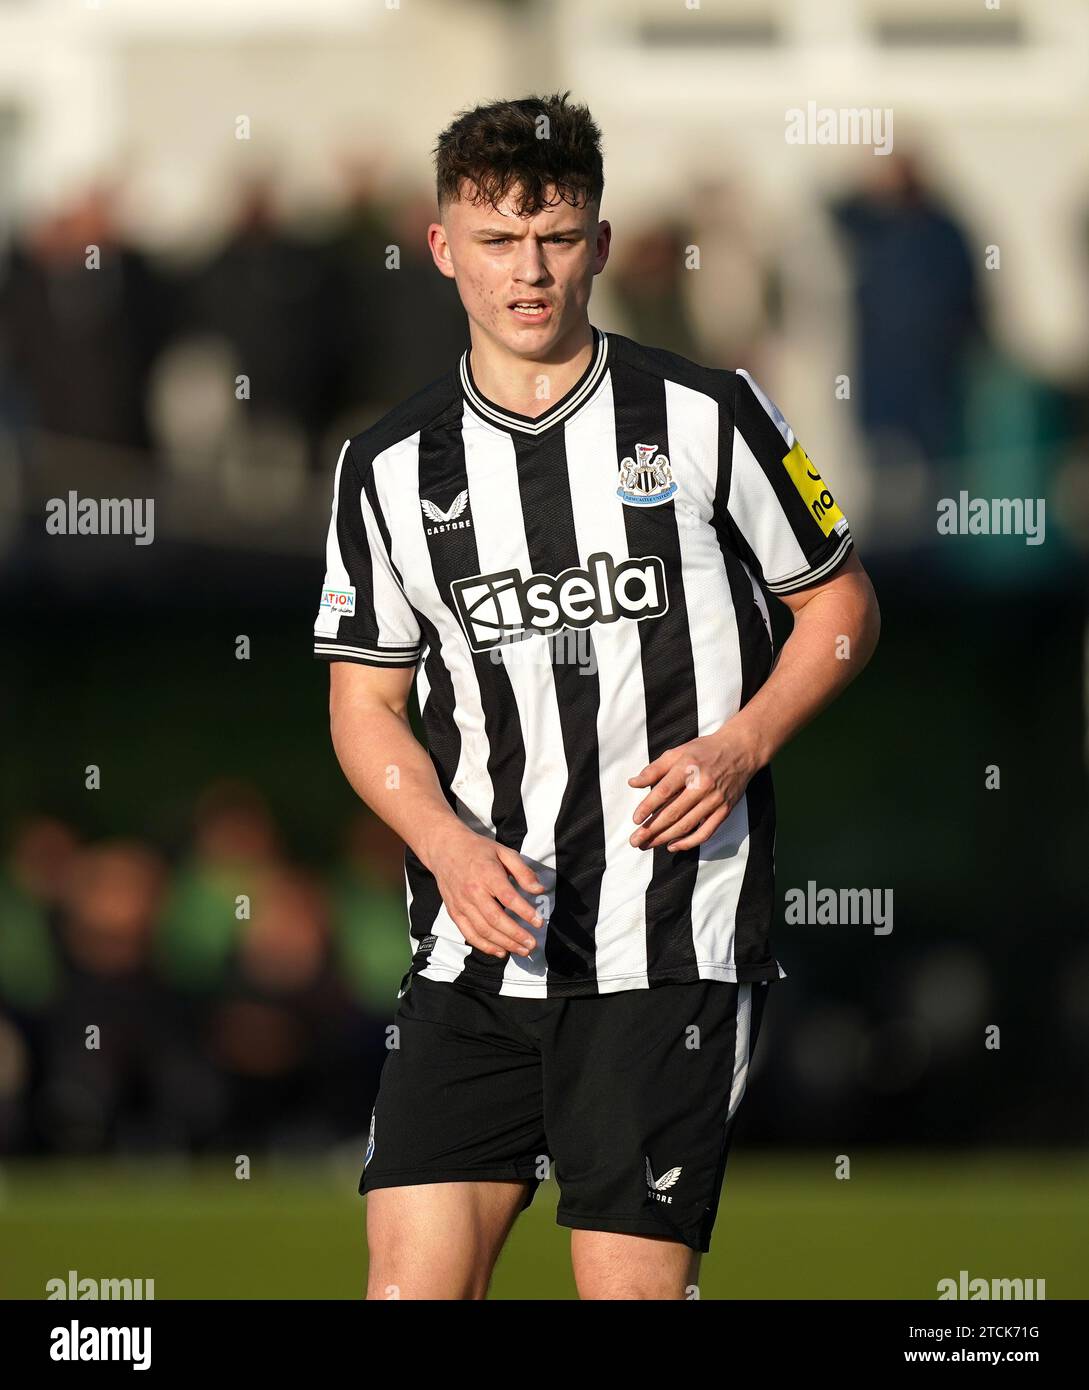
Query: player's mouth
{"points": [[530, 310]]}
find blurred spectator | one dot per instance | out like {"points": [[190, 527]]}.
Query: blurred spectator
{"points": [[33, 882], [916, 312], [81, 342], [119, 1067], [368, 896], [278, 300], [235, 845], [648, 278], [276, 1030], [406, 322], [728, 298]]}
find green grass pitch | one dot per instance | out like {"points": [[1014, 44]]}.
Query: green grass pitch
{"points": [[786, 1227]]}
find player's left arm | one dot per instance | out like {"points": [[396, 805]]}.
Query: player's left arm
{"points": [[775, 511], [696, 786]]}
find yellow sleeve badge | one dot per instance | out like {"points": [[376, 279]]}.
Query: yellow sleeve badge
{"points": [[822, 505]]}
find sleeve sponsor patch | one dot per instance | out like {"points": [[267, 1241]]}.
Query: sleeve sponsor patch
{"points": [[339, 601], [814, 493]]}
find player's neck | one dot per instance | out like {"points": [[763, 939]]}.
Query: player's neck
{"points": [[524, 385]]}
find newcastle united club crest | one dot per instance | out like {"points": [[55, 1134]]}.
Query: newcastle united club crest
{"points": [[645, 481]]}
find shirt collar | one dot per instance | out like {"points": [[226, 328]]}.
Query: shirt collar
{"points": [[577, 396]]}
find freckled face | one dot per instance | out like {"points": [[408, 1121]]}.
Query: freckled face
{"points": [[524, 281]]}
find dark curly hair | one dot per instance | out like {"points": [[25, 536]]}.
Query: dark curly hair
{"points": [[505, 145]]}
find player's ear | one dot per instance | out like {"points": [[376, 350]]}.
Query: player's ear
{"points": [[439, 246], [604, 242]]}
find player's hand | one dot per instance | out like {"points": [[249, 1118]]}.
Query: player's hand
{"points": [[695, 787], [474, 876]]}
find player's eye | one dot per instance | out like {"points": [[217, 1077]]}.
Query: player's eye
{"points": [[559, 240]]}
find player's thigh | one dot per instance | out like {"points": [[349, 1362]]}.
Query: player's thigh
{"points": [[610, 1265], [439, 1240]]}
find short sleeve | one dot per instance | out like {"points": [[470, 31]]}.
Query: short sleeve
{"points": [[778, 507], [364, 615]]}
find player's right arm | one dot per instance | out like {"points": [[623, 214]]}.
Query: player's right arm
{"points": [[373, 738]]}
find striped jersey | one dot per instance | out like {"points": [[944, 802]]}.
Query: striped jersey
{"points": [[579, 592]]}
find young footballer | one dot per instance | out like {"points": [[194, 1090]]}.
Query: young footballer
{"points": [[567, 542]]}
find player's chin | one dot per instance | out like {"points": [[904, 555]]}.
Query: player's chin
{"points": [[541, 332]]}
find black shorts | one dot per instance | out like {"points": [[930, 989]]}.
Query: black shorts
{"points": [[634, 1095]]}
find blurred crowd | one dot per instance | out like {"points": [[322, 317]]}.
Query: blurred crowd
{"points": [[219, 996], [336, 317], [306, 314], [218, 993]]}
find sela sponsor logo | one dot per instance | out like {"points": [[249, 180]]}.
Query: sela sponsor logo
{"points": [[101, 516], [645, 481], [966, 1287], [75, 1343], [657, 1188], [493, 607], [844, 125], [817, 907], [75, 1287], [448, 520], [339, 601], [998, 516]]}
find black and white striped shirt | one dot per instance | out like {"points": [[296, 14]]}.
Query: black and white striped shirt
{"points": [[579, 592]]}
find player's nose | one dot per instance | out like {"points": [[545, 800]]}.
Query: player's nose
{"points": [[529, 268]]}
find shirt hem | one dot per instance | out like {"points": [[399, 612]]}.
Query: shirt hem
{"points": [[726, 974]]}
